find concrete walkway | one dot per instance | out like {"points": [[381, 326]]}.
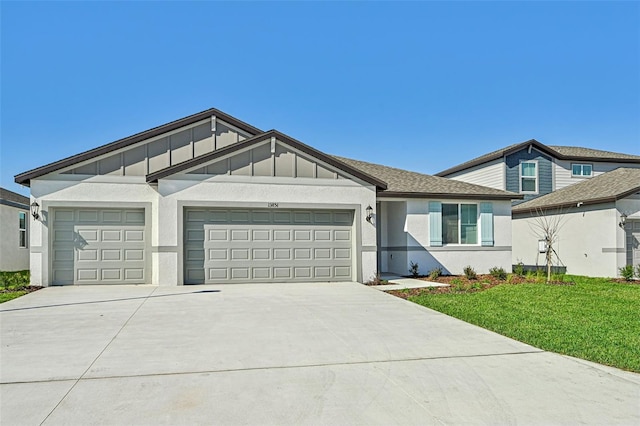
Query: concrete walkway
{"points": [[282, 354], [396, 282]]}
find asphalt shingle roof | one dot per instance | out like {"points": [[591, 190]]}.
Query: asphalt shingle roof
{"points": [[7, 195], [606, 187], [406, 183], [561, 152], [590, 153]]}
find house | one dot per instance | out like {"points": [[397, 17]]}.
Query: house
{"points": [[14, 222], [211, 199], [533, 169], [598, 222], [567, 182]]}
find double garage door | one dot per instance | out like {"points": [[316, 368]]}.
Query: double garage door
{"points": [[99, 246], [238, 245]]}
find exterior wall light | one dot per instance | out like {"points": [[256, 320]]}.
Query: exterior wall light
{"points": [[623, 220], [369, 210], [35, 209]]}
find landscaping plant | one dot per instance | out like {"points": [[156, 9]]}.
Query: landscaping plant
{"points": [[470, 273], [627, 272], [498, 273], [414, 270], [435, 273]]}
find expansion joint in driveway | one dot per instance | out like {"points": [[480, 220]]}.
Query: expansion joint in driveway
{"points": [[284, 367], [144, 300]]}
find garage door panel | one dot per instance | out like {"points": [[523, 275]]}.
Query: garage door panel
{"points": [[99, 246], [87, 216], [87, 254], [275, 245]]}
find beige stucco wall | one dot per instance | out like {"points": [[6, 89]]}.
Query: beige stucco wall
{"points": [[12, 256], [590, 242]]}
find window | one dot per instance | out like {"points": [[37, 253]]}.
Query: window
{"points": [[459, 223], [22, 229], [529, 176], [581, 170]]}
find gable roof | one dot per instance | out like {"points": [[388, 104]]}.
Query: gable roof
{"points": [[262, 137], [25, 178], [406, 184], [560, 152], [607, 187], [13, 199]]}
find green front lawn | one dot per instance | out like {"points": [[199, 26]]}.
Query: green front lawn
{"points": [[595, 319]]}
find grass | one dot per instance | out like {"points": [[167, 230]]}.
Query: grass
{"points": [[13, 285], [595, 319]]}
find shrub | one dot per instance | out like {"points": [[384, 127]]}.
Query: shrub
{"points": [[638, 271], [627, 272], [470, 273], [414, 270], [15, 280], [498, 273], [435, 273], [518, 269]]}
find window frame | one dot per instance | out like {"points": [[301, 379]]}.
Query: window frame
{"points": [[581, 176], [23, 231], [459, 224], [536, 178]]}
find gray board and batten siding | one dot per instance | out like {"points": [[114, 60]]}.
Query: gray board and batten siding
{"points": [[545, 172], [165, 150]]}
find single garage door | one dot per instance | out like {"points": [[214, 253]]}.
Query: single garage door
{"points": [[235, 245], [99, 246]]}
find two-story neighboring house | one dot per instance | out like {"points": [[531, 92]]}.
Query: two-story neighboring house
{"points": [[599, 217]]}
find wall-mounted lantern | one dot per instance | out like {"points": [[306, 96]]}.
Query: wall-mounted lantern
{"points": [[35, 210], [623, 220], [369, 213]]}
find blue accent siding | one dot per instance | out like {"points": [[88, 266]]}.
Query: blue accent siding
{"points": [[545, 172]]}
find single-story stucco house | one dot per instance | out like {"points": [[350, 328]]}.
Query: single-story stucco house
{"points": [[598, 223], [14, 231], [211, 199]]}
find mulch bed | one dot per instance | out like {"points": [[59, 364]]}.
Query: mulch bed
{"points": [[28, 289], [461, 284]]}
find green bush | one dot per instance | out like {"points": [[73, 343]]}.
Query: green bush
{"points": [[470, 273], [414, 270], [627, 272], [498, 273], [518, 269], [14, 280], [637, 271], [435, 273]]}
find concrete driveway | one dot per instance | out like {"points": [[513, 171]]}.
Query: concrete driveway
{"points": [[282, 354]]}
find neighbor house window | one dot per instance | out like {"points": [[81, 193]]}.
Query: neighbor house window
{"points": [[459, 223], [529, 176], [581, 170], [22, 229]]}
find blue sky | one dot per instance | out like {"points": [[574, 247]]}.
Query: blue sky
{"points": [[416, 85]]}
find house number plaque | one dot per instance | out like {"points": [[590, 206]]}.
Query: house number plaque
{"points": [[272, 205]]}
